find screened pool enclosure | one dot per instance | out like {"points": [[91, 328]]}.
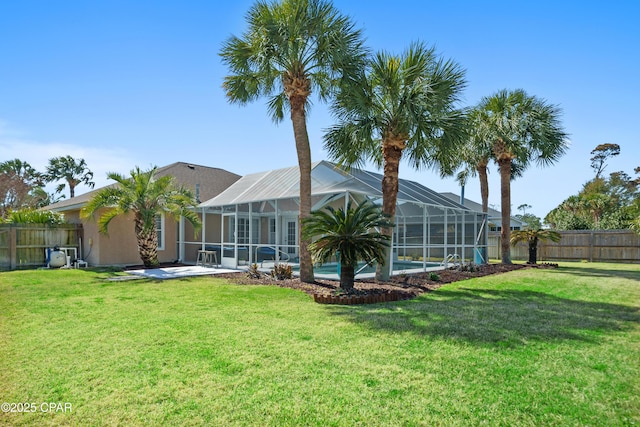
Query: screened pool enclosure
{"points": [[256, 220]]}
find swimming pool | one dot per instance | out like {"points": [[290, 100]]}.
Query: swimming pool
{"points": [[332, 268]]}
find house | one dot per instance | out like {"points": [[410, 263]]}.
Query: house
{"points": [[119, 247], [493, 216], [256, 218]]}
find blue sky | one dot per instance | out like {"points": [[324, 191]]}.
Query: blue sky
{"points": [[126, 83]]}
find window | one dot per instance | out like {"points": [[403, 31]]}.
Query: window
{"points": [[243, 230], [272, 231], [160, 231]]}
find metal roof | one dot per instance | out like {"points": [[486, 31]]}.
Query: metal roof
{"points": [[326, 178]]}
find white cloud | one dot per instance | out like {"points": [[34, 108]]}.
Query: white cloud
{"points": [[14, 144]]}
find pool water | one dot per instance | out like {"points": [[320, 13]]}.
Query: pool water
{"points": [[332, 268]]}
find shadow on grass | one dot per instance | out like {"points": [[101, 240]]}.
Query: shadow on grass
{"points": [[500, 318], [602, 272]]}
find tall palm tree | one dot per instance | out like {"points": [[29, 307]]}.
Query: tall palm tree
{"points": [[72, 171], [145, 196], [400, 106], [476, 154], [352, 233], [531, 237], [520, 128], [293, 48]]}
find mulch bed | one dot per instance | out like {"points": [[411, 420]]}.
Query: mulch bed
{"points": [[405, 286], [398, 288]]}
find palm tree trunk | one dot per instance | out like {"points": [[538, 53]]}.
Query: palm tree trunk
{"points": [[484, 184], [504, 164], [301, 136], [147, 244], [533, 251], [347, 275], [391, 152], [72, 189]]}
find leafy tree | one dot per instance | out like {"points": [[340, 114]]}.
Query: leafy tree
{"points": [[291, 49], [530, 220], [17, 180], [352, 233], [72, 171], [520, 128], [532, 237], [601, 154], [145, 196], [401, 106], [603, 203]]}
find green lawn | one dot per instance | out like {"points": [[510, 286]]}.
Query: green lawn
{"points": [[531, 347]]}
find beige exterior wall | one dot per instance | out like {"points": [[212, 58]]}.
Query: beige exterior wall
{"points": [[120, 246]]}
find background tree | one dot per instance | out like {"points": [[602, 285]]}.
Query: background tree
{"points": [[18, 180], [532, 237], [524, 129], [353, 233], [601, 154], [606, 203], [39, 197], [72, 171], [291, 49], [401, 105], [145, 196], [523, 207]]}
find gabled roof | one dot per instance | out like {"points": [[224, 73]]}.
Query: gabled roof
{"points": [[212, 181], [326, 178]]}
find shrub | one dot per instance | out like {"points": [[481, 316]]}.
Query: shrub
{"points": [[30, 216], [434, 277], [281, 272], [253, 272]]}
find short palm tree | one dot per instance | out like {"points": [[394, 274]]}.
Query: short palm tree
{"points": [[352, 232], [145, 196], [72, 171], [532, 237], [524, 129], [291, 49], [401, 106]]}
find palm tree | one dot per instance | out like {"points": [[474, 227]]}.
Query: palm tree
{"points": [[146, 196], [531, 237], [72, 171], [401, 105], [291, 49], [352, 233], [520, 128]]}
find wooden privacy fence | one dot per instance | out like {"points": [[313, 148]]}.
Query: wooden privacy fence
{"points": [[24, 245], [578, 245]]}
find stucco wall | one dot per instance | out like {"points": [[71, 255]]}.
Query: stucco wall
{"points": [[120, 246]]}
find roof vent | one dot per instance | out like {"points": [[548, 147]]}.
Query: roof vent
{"points": [[190, 166]]}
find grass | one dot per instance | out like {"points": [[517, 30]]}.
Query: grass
{"points": [[531, 347]]}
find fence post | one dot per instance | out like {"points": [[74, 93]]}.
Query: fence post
{"points": [[591, 239], [13, 253]]}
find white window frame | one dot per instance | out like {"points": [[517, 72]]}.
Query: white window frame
{"points": [[161, 231]]}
